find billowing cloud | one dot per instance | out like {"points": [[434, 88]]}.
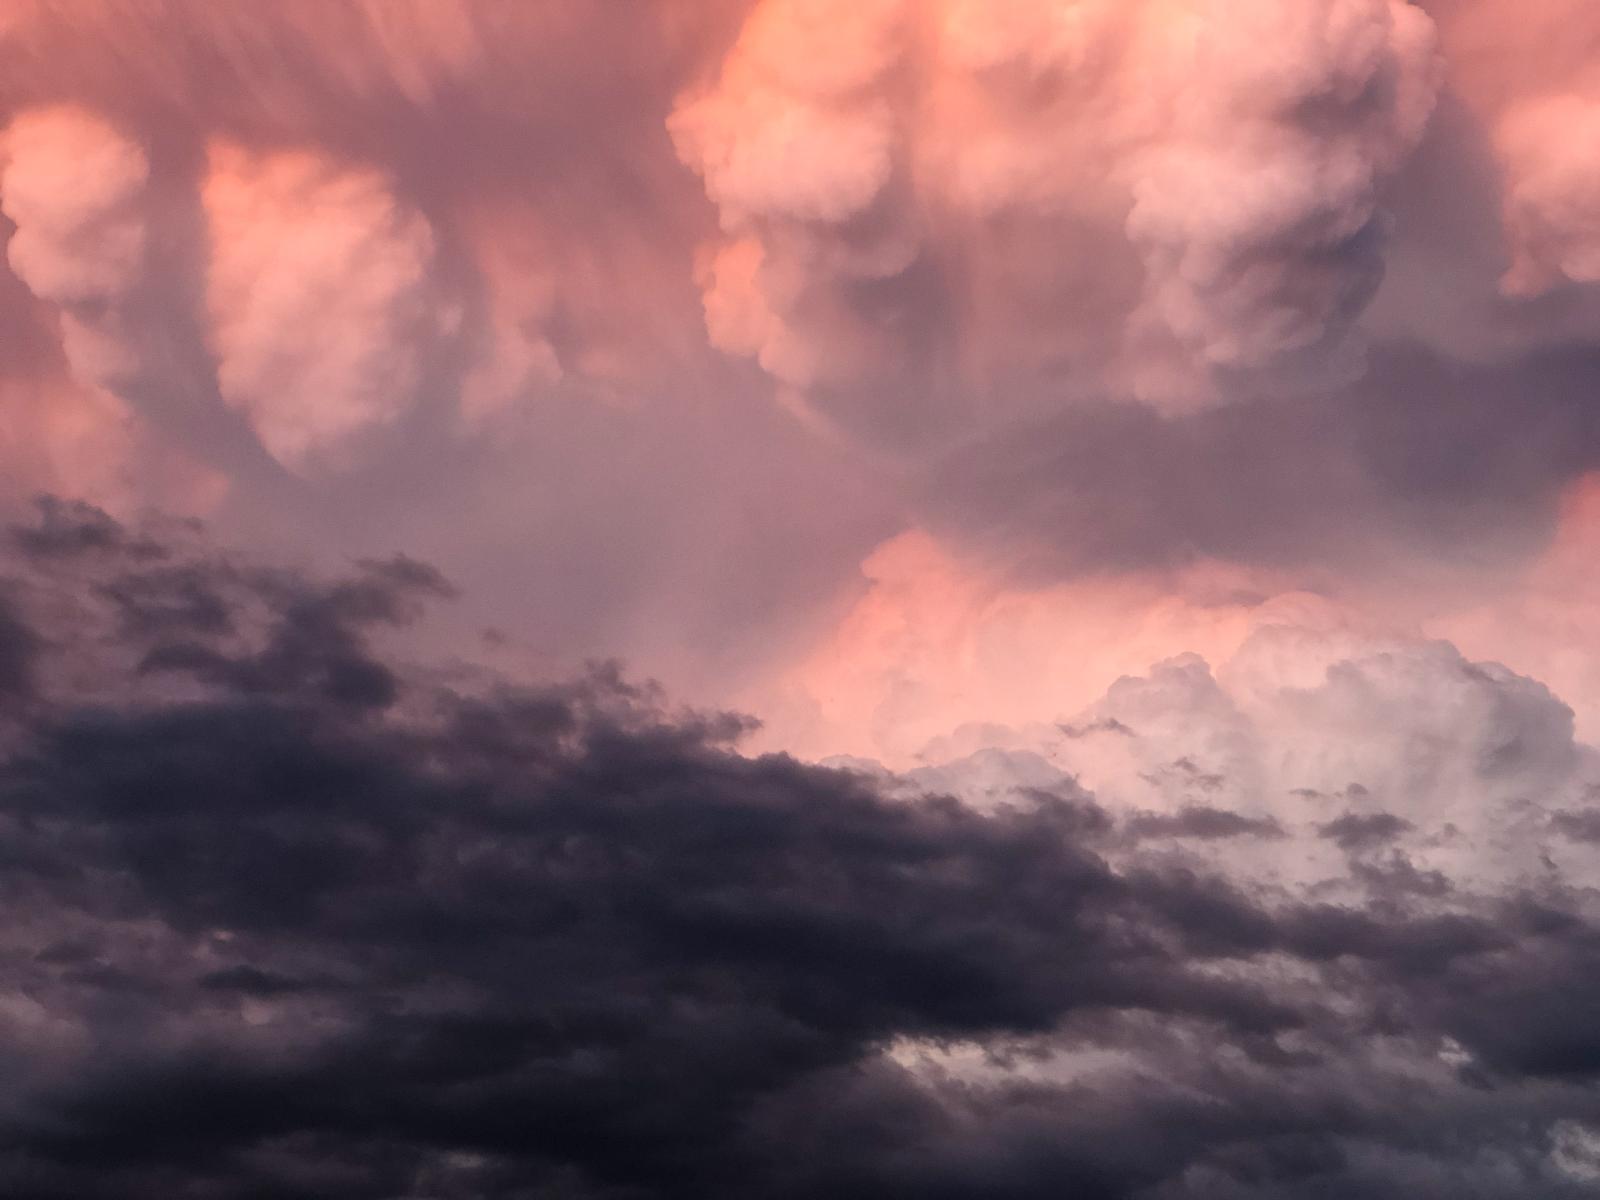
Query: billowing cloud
{"points": [[320, 297], [1543, 620], [1538, 97], [77, 191], [399, 241], [1215, 172], [370, 931], [935, 642], [310, 264], [1314, 724], [1257, 221], [1553, 192], [1264, 700], [74, 188], [1145, 449]]}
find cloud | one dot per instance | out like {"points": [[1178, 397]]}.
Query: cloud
{"points": [[1553, 192], [1426, 468], [1197, 821], [462, 936], [307, 260], [1536, 97], [320, 298], [1258, 221], [881, 197], [935, 640], [413, 273], [1353, 831], [1328, 721], [74, 188], [1539, 620], [538, 292], [79, 194]]}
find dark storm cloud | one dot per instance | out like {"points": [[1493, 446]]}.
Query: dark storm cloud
{"points": [[276, 933], [18, 647], [1360, 831], [1581, 825], [69, 528], [1198, 821]]}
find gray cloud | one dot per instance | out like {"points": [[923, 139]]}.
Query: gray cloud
{"points": [[271, 935]]}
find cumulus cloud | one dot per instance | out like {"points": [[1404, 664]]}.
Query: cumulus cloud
{"points": [[320, 297], [74, 188], [1287, 711], [868, 192], [1536, 96], [370, 930], [935, 641], [310, 217], [1257, 217], [1358, 738], [78, 193], [1541, 620], [798, 145], [1553, 193]]}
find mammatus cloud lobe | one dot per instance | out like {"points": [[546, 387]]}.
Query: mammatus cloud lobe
{"points": [[876, 168], [74, 189], [318, 294]]}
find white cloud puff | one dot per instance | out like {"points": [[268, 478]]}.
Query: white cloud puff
{"points": [[75, 188], [321, 297]]}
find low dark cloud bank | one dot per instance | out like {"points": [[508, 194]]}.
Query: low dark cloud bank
{"points": [[285, 919]]}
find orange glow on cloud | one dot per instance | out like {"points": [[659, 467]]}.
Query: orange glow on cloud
{"points": [[1114, 140], [1532, 74], [1547, 624], [933, 645], [319, 297], [357, 224]]}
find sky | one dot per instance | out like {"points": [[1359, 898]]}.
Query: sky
{"points": [[776, 598]]}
